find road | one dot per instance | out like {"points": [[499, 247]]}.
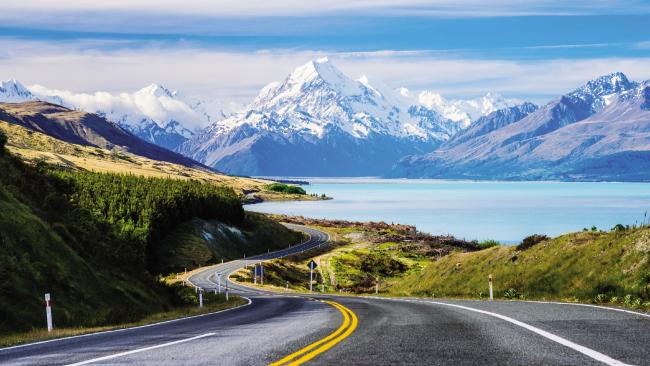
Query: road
{"points": [[389, 331]]}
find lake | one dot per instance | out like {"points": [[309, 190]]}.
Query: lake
{"points": [[503, 211]]}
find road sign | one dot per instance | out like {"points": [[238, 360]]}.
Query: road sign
{"points": [[259, 270], [312, 265]]}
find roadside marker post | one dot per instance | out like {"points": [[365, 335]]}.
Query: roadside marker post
{"points": [[219, 281], [287, 285], [261, 275], [226, 291], [376, 285], [48, 311], [490, 283], [312, 265], [201, 298]]}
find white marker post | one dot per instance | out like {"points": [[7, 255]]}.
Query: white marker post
{"points": [[490, 283], [201, 298], [261, 274], [219, 281], [376, 286], [287, 285], [48, 312], [226, 290]]}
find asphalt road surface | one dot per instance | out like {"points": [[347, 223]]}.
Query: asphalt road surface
{"points": [[360, 331]]}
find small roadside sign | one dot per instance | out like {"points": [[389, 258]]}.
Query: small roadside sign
{"points": [[312, 265], [259, 270]]}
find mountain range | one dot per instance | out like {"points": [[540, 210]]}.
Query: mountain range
{"points": [[153, 113], [318, 121], [600, 131], [86, 129]]}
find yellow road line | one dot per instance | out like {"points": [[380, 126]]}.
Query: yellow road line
{"points": [[350, 322]]}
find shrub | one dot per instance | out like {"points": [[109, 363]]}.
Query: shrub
{"points": [[3, 142], [488, 244], [531, 241], [285, 188], [601, 298], [511, 293], [619, 227]]}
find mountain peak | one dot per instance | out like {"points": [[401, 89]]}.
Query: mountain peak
{"points": [[157, 90], [615, 82], [321, 68], [12, 90]]}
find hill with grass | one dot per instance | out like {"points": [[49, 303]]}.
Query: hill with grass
{"points": [[86, 129], [35, 147], [95, 241], [591, 266]]}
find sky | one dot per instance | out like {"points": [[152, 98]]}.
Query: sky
{"points": [[529, 50]]}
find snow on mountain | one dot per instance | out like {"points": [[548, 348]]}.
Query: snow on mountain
{"points": [[320, 106], [12, 91], [153, 113], [598, 131], [464, 111], [318, 95]]}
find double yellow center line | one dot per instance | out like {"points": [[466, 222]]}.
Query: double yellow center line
{"points": [[350, 322]]}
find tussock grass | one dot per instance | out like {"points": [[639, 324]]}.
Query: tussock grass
{"points": [[600, 267]]}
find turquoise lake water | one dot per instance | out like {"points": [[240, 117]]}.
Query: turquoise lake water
{"points": [[504, 211]]}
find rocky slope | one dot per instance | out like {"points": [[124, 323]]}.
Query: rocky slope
{"points": [[599, 131], [86, 129]]}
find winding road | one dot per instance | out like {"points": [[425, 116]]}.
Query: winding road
{"points": [[285, 329]]}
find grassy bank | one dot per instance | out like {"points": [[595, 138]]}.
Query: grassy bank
{"points": [[609, 268], [359, 256], [198, 242], [599, 267], [94, 241], [212, 304]]}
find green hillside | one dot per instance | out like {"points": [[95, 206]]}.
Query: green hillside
{"points": [[94, 241], [603, 267]]}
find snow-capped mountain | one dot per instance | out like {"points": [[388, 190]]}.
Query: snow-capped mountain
{"points": [[464, 111], [12, 91], [153, 113], [318, 121], [598, 131]]}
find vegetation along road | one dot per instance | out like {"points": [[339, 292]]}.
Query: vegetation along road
{"points": [[295, 328]]}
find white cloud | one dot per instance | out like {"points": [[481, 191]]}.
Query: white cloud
{"points": [[134, 106], [239, 76]]}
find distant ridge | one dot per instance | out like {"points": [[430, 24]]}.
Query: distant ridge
{"points": [[600, 131], [85, 129]]}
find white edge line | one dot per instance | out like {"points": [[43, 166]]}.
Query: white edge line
{"points": [[589, 306], [125, 329], [563, 341], [109, 357]]}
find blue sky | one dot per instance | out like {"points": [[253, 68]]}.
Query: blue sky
{"points": [[229, 49]]}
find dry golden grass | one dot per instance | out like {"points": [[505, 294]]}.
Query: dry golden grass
{"points": [[33, 146]]}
